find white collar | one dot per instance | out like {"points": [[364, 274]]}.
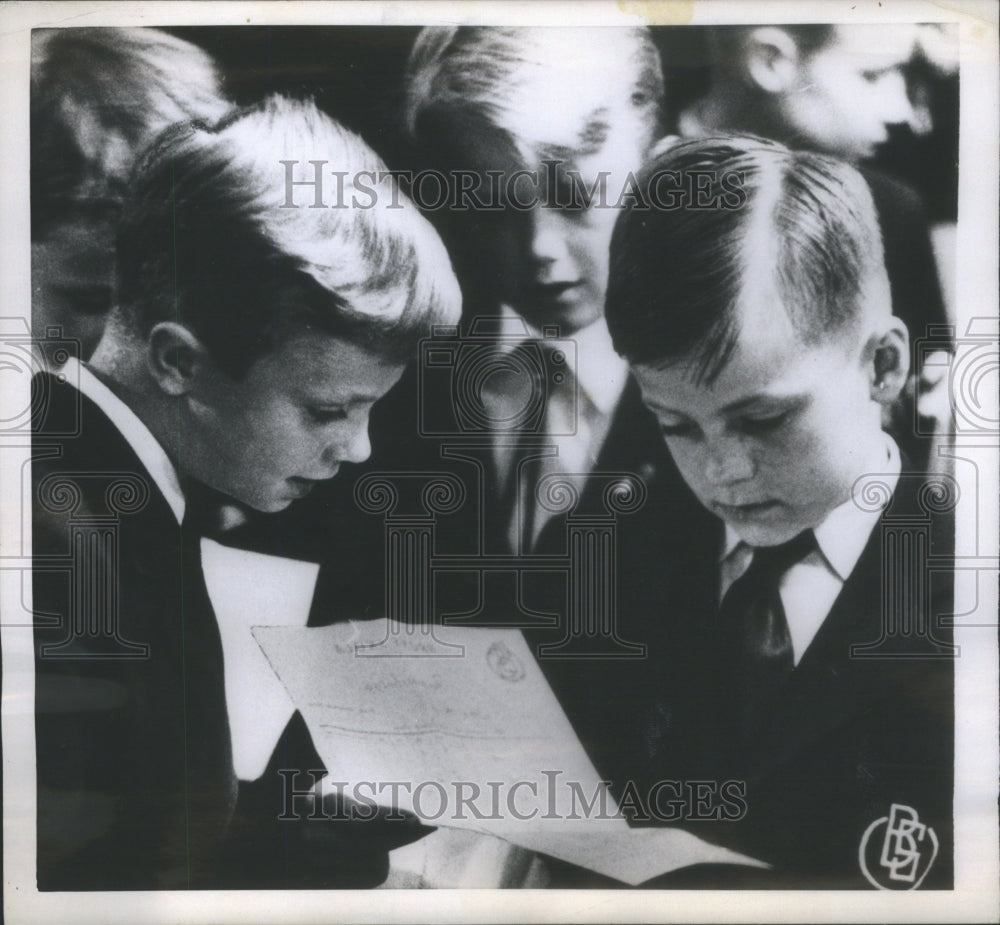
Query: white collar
{"points": [[844, 533], [138, 436], [599, 370]]}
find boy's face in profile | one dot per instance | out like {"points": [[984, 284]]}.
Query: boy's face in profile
{"points": [[73, 272], [776, 441], [552, 260], [299, 412], [844, 96]]}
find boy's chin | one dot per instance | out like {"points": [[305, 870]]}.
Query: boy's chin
{"points": [[766, 534], [570, 316]]}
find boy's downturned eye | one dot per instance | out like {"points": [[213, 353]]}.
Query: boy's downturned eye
{"points": [[764, 424], [680, 429], [873, 77], [326, 415]]}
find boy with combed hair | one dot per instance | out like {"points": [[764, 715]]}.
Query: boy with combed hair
{"points": [[763, 339], [248, 346], [572, 113]]}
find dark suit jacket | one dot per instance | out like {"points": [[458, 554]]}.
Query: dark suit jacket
{"points": [[853, 733], [136, 788]]}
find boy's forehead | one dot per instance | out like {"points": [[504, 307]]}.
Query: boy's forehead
{"points": [[768, 335], [313, 363], [600, 141], [871, 47], [764, 344], [768, 356], [571, 109]]}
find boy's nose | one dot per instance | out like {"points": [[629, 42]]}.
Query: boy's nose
{"points": [[360, 448], [896, 106], [549, 244], [355, 450], [728, 463]]}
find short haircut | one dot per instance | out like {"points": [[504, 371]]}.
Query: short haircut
{"points": [[805, 225], [527, 81], [207, 238], [97, 97]]}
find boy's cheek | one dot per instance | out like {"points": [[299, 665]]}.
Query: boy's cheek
{"points": [[690, 464]]}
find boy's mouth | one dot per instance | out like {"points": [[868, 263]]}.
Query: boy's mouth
{"points": [[551, 291], [740, 512], [300, 487]]}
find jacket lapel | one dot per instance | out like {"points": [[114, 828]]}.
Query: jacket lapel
{"points": [[829, 687], [632, 446]]}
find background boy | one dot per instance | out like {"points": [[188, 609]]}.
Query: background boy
{"points": [[98, 96], [578, 109], [504, 101], [763, 339]]}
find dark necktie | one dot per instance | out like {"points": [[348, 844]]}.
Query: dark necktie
{"points": [[529, 363], [756, 643]]}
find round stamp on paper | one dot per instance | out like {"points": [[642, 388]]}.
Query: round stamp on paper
{"points": [[504, 663]]}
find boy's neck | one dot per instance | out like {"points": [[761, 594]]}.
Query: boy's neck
{"points": [[882, 459], [728, 109], [125, 374]]}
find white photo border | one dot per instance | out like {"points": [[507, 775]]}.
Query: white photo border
{"points": [[976, 896]]}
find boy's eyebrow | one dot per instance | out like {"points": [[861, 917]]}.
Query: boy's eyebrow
{"points": [[742, 403], [351, 398], [738, 405], [594, 133]]}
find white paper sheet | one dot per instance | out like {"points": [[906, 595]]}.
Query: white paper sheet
{"points": [[249, 589], [462, 729]]}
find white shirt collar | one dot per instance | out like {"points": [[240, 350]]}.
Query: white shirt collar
{"points": [[843, 534], [599, 370], [137, 434]]}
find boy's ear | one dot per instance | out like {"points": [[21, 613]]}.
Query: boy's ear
{"points": [[887, 356], [176, 357], [772, 58]]}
